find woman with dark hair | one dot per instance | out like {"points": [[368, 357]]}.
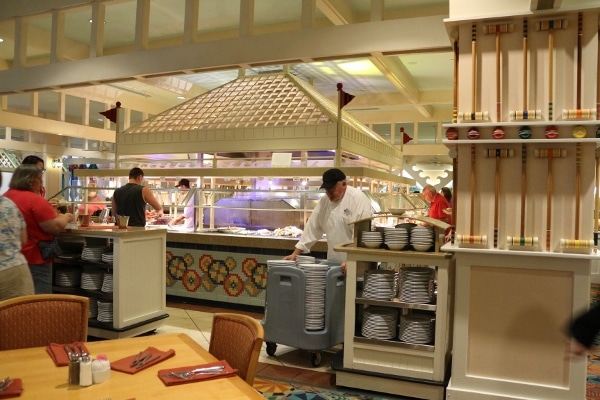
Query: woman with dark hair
{"points": [[447, 194], [15, 278], [39, 162], [41, 220]]}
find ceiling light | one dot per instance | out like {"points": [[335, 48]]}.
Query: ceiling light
{"points": [[364, 67], [1, 40], [181, 97]]}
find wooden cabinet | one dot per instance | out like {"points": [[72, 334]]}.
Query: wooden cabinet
{"points": [[138, 278]]}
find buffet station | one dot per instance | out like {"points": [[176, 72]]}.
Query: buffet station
{"points": [[237, 228]]}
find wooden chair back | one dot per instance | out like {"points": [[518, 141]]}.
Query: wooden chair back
{"points": [[237, 338], [40, 319]]}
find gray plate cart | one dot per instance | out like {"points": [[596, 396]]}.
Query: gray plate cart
{"points": [[285, 315]]}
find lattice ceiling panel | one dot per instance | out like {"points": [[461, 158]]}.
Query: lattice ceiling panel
{"points": [[249, 102]]}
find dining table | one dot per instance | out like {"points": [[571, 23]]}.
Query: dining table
{"points": [[42, 379]]}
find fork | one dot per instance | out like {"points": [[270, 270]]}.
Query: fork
{"points": [[5, 383]]}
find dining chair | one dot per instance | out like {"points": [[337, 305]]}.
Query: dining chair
{"points": [[237, 339], [40, 319]]}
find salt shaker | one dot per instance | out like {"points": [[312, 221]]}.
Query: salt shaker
{"points": [[85, 371], [74, 369]]}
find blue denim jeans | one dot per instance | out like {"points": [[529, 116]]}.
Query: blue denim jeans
{"points": [[42, 277]]}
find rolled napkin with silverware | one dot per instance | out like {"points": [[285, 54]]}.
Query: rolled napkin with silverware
{"points": [[10, 388], [141, 360], [195, 373], [60, 352]]}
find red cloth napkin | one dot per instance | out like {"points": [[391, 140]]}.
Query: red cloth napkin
{"points": [[13, 390], [124, 364], [173, 380], [59, 354]]}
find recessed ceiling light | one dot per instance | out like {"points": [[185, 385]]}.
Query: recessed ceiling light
{"points": [[181, 97], [1, 40]]}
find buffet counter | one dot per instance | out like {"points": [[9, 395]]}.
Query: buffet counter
{"points": [[225, 267], [121, 271]]}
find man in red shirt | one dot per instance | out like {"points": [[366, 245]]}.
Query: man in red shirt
{"points": [[437, 204]]}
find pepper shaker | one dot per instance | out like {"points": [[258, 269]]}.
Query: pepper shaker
{"points": [[74, 367]]}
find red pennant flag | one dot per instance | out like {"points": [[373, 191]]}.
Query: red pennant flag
{"points": [[405, 137], [112, 113], [345, 98]]}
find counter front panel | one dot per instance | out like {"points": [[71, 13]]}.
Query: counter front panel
{"points": [[223, 267]]}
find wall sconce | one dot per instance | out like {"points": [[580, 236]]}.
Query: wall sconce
{"points": [[57, 163]]}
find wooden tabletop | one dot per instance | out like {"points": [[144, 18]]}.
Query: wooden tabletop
{"points": [[43, 380]]}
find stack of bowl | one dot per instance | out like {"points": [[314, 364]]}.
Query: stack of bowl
{"points": [[422, 238], [396, 238], [371, 239]]}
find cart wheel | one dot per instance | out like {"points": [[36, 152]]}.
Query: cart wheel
{"points": [[271, 348], [316, 359]]}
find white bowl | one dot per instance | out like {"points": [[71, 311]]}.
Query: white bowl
{"points": [[397, 211], [372, 245], [421, 247], [395, 246]]}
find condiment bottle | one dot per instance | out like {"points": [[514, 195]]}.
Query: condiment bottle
{"points": [[100, 369], [74, 369], [85, 371]]}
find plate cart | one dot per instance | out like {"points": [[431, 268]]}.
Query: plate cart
{"points": [[286, 309]]}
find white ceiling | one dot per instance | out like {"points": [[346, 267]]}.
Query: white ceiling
{"points": [[380, 97]]}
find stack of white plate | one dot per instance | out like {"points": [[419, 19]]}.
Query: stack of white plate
{"points": [[314, 299], [92, 279], [68, 277], [379, 285], [93, 310], [105, 311], [371, 239], [416, 284], [301, 259], [422, 238], [396, 238], [417, 329], [107, 282], [330, 263], [92, 253], [281, 263], [379, 323], [107, 257]]}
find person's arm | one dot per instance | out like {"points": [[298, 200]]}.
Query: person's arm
{"points": [[150, 199], [294, 255], [311, 234], [57, 224]]}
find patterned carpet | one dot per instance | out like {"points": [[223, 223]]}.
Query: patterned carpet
{"points": [[279, 390], [593, 379]]}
